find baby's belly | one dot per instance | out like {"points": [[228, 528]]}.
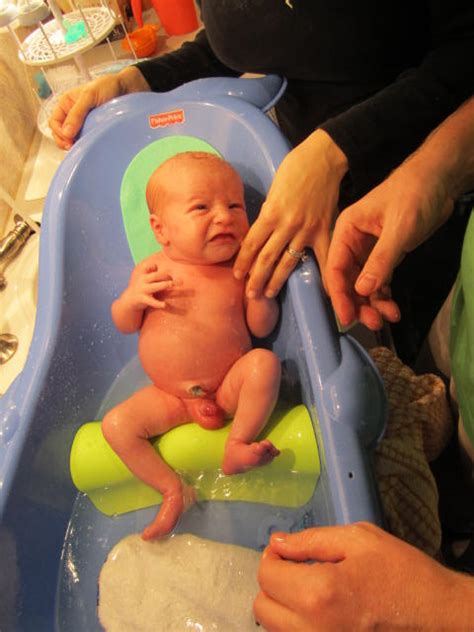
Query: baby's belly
{"points": [[190, 364]]}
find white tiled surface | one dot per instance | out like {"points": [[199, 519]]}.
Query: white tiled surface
{"points": [[43, 167]]}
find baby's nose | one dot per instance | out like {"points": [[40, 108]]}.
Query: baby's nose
{"points": [[223, 214]]}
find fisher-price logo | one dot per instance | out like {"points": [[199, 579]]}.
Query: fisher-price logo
{"points": [[166, 118]]}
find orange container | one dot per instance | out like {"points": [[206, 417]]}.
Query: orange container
{"points": [[144, 40], [177, 16]]}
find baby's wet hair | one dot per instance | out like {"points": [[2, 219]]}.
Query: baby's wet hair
{"points": [[152, 190]]}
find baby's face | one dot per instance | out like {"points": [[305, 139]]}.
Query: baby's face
{"points": [[202, 217]]}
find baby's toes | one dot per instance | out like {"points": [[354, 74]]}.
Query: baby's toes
{"points": [[274, 451], [267, 446], [261, 447]]}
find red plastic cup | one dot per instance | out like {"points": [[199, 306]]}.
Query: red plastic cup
{"points": [[177, 16]]}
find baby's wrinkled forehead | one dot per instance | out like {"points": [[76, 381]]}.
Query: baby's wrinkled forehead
{"points": [[170, 169]]}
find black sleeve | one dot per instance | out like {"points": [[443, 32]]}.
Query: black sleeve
{"points": [[377, 134], [193, 60]]}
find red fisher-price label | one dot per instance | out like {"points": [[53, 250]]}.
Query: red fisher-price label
{"points": [[163, 119]]}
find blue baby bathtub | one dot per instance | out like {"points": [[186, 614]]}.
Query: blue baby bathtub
{"points": [[52, 539]]}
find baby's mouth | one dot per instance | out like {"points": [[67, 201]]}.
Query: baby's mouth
{"points": [[223, 237]]}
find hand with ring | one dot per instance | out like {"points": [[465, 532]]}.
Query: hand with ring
{"points": [[298, 212], [300, 255]]}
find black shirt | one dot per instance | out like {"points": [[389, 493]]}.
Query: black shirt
{"points": [[377, 76]]}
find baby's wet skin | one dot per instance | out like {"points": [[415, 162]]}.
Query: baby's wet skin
{"points": [[175, 502], [199, 334]]}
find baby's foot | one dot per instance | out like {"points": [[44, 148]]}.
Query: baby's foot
{"points": [[206, 413], [173, 505], [240, 456]]}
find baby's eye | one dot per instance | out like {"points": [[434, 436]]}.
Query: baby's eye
{"points": [[199, 207], [235, 205]]}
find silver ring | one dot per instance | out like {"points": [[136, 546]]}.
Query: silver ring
{"points": [[297, 254]]}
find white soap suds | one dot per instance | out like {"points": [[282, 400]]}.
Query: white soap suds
{"points": [[179, 584]]}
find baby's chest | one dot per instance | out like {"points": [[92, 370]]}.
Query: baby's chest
{"points": [[206, 298], [197, 319]]}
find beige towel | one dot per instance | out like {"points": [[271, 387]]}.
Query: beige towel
{"points": [[419, 426]]}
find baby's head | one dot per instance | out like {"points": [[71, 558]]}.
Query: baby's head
{"points": [[197, 208]]}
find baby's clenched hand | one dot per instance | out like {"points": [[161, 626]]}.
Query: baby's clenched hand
{"points": [[146, 283]]}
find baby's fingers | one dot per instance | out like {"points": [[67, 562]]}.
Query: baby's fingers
{"points": [[155, 276], [152, 301], [158, 286], [147, 266]]}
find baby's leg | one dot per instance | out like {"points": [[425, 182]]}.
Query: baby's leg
{"points": [[128, 428], [250, 389]]}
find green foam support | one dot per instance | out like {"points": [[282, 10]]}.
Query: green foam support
{"points": [[289, 481]]}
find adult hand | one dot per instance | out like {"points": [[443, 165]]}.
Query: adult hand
{"points": [[373, 235], [73, 106], [299, 211], [364, 578]]}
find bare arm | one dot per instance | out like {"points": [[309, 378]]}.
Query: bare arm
{"points": [[448, 152], [145, 283], [262, 315], [127, 320], [373, 235]]}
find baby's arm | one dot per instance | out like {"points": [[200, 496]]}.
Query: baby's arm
{"points": [[145, 282], [262, 315]]}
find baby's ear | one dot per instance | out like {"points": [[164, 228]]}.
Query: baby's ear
{"points": [[157, 228]]}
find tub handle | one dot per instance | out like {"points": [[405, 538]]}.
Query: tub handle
{"points": [[262, 92]]}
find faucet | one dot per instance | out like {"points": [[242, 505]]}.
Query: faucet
{"points": [[11, 245]]}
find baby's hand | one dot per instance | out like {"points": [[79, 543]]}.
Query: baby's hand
{"points": [[145, 283]]}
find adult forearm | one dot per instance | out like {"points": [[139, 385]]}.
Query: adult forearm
{"points": [[132, 80], [448, 152], [456, 609]]}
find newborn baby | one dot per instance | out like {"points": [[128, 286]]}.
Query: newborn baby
{"points": [[195, 323]]}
